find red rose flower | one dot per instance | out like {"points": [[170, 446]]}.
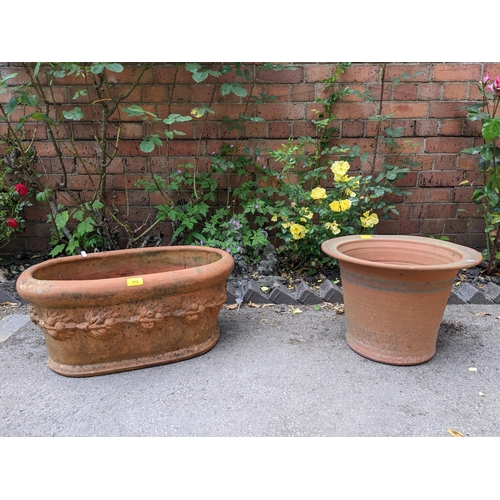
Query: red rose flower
{"points": [[21, 189], [12, 223]]}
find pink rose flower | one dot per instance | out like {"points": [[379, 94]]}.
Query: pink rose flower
{"points": [[486, 79]]}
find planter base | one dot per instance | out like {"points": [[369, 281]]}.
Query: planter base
{"points": [[135, 363]]}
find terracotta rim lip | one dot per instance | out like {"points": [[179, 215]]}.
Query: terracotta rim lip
{"points": [[469, 256], [46, 293], [225, 260]]}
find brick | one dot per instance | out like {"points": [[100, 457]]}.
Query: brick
{"points": [[317, 72], [433, 210], [279, 130], [451, 127], [281, 93], [456, 72], [303, 93], [405, 92], [386, 226], [455, 91], [353, 110], [437, 195], [445, 162], [426, 127], [360, 73], [433, 226], [405, 110], [447, 144], [439, 179], [154, 93], [281, 112], [352, 128], [447, 109], [397, 70], [429, 91], [282, 76]]}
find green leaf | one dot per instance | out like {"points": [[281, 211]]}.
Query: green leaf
{"points": [[11, 106], [42, 117], [86, 226], [491, 129], [61, 219], [199, 76], [57, 250], [29, 99], [192, 67], [74, 114], [82, 92], [3, 81], [134, 110], [97, 68], [115, 67], [97, 205], [147, 146], [226, 88], [239, 90]]}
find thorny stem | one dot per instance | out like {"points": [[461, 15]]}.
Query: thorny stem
{"points": [[379, 123]]}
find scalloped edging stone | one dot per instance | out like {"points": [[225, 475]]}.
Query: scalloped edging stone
{"points": [[303, 294]]}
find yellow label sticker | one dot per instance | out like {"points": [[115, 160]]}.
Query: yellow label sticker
{"points": [[365, 236], [134, 281]]}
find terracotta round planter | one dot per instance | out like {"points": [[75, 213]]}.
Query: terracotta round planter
{"points": [[395, 292], [127, 309]]}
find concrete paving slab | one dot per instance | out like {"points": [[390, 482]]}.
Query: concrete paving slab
{"points": [[11, 324]]}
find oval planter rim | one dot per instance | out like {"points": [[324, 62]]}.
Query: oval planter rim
{"points": [[468, 256], [45, 291]]}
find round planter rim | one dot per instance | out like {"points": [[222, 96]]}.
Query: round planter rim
{"points": [[469, 257]]}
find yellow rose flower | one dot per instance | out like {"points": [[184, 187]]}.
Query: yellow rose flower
{"points": [[318, 193], [298, 231], [274, 218], [339, 169], [335, 206], [333, 227], [197, 112], [345, 205], [286, 224], [306, 214], [369, 220], [350, 193]]}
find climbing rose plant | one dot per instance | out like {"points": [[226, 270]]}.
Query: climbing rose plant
{"points": [[316, 214], [13, 199], [487, 193]]}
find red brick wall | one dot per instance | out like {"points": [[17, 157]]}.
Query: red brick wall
{"points": [[426, 106]]}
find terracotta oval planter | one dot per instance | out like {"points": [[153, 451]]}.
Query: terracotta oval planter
{"points": [[395, 292], [127, 309]]}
